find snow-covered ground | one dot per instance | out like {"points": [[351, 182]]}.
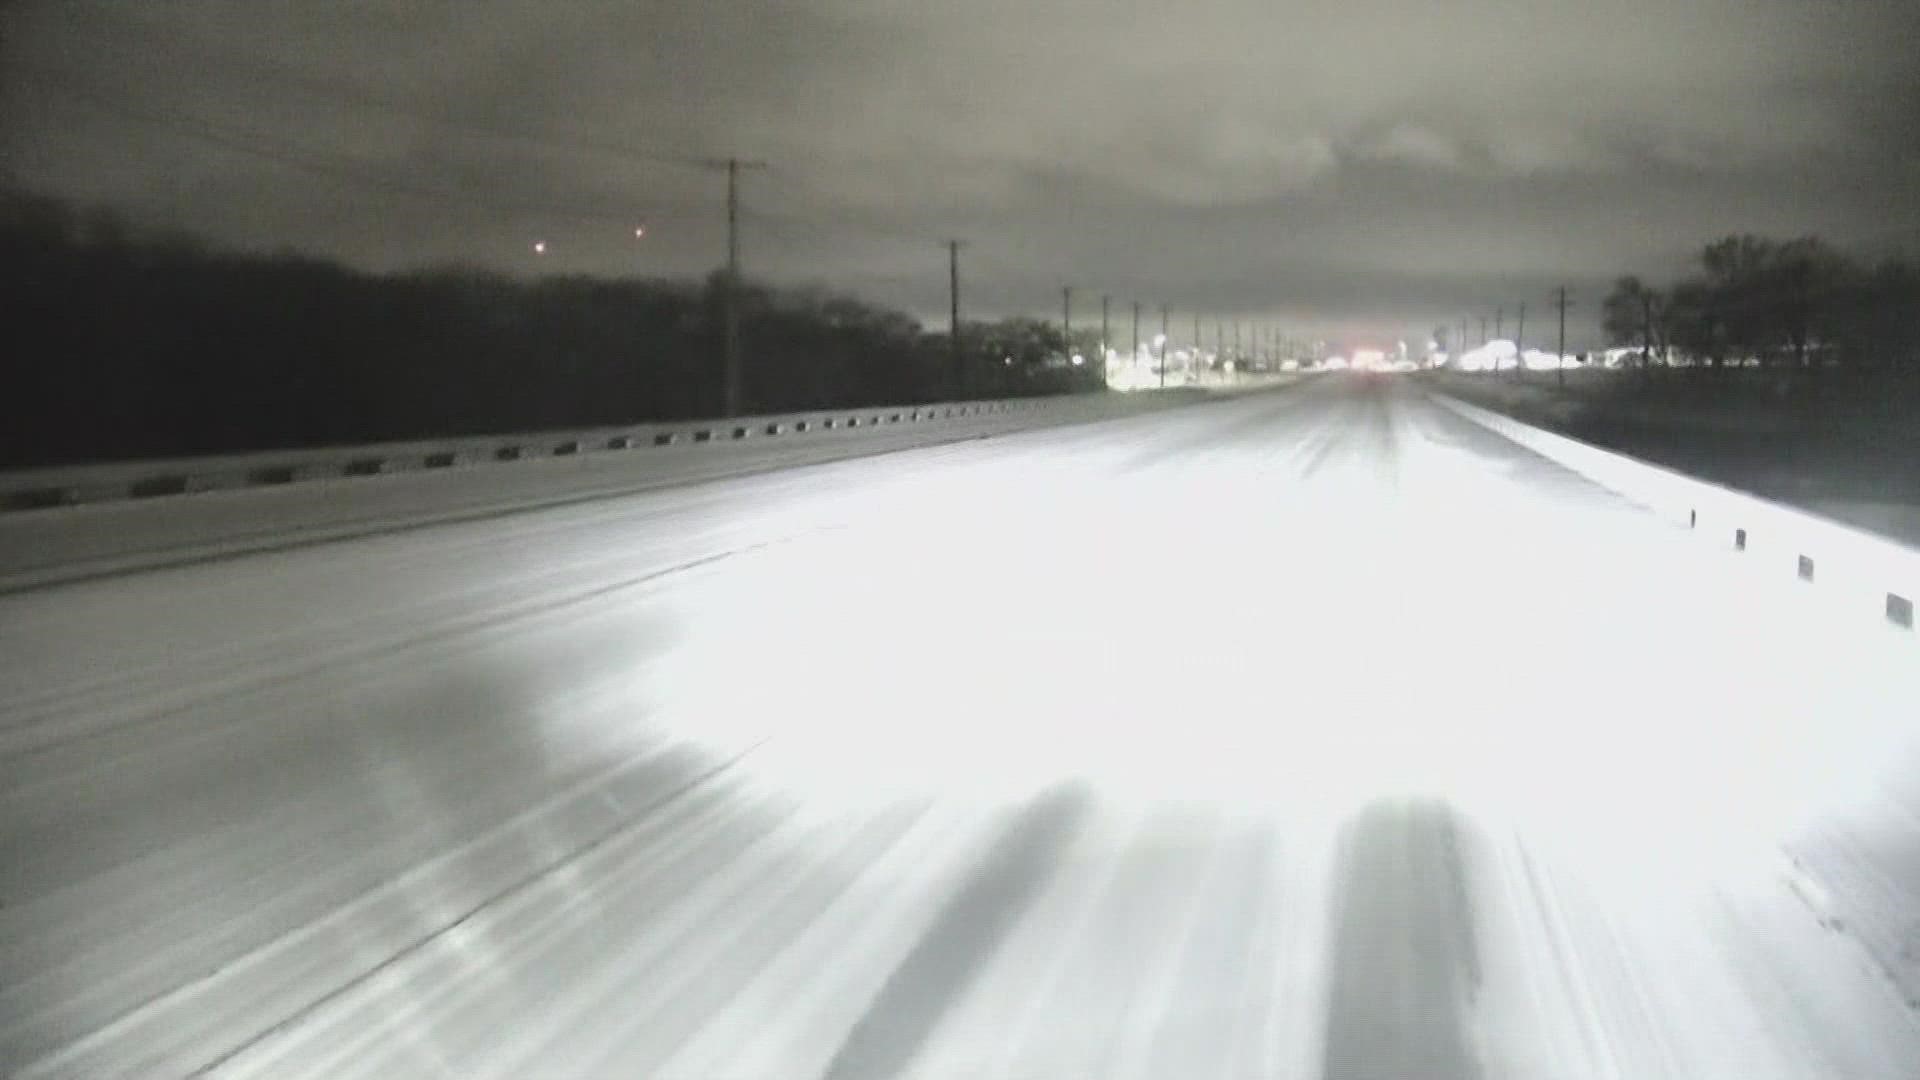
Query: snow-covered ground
{"points": [[1758, 446], [73, 542], [1316, 734], [1504, 355]]}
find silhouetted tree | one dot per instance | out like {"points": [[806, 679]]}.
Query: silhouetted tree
{"points": [[1698, 321], [148, 343], [1875, 324], [1629, 315]]}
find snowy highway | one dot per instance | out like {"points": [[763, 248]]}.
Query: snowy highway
{"points": [[1318, 733]]}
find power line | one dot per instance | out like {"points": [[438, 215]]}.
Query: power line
{"points": [[314, 161], [269, 72], [826, 229]]}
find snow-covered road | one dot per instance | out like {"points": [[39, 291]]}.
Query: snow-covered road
{"points": [[1318, 733]]}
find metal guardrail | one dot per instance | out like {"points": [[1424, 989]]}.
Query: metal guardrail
{"points": [[41, 489], [1874, 570]]}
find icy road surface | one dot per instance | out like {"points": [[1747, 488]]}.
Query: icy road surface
{"points": [[1314, 734]]}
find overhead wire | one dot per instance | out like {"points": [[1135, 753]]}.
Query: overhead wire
{"points": [[784, 224], [316, 161], [263, 71]]}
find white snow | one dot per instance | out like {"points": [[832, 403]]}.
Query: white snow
{"points": [[1048, 755]]}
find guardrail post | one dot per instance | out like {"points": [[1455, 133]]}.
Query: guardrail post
{"points": [[153, 486], [42, 498], [1899, 610]]}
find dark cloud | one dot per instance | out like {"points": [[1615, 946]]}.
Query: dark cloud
{"points": [[1352, 166]]}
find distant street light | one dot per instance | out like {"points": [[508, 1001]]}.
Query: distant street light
{"points": [[539, 247]]}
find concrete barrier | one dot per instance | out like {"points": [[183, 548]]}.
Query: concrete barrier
{"points": [[154, 486], [1864, 571], [40, 490], [41, 498]]}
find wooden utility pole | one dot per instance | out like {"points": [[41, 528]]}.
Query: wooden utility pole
{"points": [[1166, 343], [1560, 357], [1520, 342], [730, 391], [1646, 332], [1106, 342], [1136, 334], [957, 357]]}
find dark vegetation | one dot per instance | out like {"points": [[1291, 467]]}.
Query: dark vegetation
{"points": [[1796, 304], [127, 343], [1784, 367]]}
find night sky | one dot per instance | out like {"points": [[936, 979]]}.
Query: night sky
{"points": [[1342, 168]]}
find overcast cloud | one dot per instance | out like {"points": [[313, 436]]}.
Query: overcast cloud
{"points": [[1342, 167]]}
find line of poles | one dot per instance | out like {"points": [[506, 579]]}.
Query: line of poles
{"points": [[1259, 343], [1560, 304], [1267, 341]]}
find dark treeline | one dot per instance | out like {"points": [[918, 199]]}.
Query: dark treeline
{"points": [[127, 343], [1799, 304]]}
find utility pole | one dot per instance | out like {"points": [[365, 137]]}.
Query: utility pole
{"points": [[1066, 317], [1499, 323], [730, 394], [1483, 330], [1165, 344], [1136, 335], [1237, 354], [1560, 357], [1520, 342], [1196, 342], [953, 320], [1106, 310]]}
